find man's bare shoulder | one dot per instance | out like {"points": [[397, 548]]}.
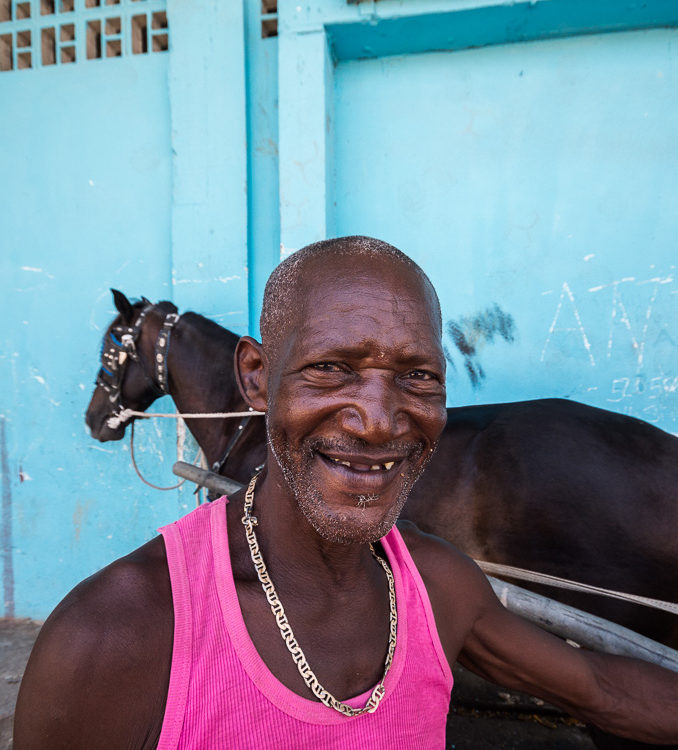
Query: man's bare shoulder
{"points": [[441, 564], [458, 590], [110, 609], [104, 653]]}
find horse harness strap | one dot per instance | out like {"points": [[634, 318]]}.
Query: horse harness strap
{"points": [[114, 354], [162, 345], [235, 438], [121, 344], [217, 466]]}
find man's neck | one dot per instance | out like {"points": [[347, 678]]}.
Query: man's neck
{"points": [[292, 547]]}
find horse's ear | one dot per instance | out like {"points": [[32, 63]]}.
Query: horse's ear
{"points": [[145, 300], [122, 305]]}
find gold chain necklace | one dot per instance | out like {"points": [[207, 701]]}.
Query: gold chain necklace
{"points": [[249, 521]]}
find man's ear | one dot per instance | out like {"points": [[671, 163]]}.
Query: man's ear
{"points": [[251, 372]]}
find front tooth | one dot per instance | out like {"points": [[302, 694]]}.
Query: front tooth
{"points": [[389, 465], [375, 467], [339, 461]]}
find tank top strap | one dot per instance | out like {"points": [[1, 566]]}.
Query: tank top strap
{"points": [[396, 549]]}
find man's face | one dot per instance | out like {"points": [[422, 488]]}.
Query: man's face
{"points": [[357, 397]]}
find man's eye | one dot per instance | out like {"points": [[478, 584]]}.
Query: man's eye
{"points": [[326, 367], [420, 375]]}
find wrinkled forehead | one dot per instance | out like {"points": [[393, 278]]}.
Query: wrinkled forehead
{"points": [[391, 284], [364, 300]]}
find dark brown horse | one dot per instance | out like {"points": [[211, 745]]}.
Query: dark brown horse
{"points": [[550, 485]]}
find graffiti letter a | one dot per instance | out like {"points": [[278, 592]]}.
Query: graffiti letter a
{"points": [[578, 328]]}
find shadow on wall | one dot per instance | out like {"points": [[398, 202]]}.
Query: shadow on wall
{"points": [[470, 334]]}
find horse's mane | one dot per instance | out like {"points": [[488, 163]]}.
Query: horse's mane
{"points": [[208, 327], [211, 330]]}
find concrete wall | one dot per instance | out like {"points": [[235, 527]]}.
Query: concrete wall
{"points": [[523, 153]]}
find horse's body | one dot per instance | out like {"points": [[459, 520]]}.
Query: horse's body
{"points": [[562, 488], [550, 485]]}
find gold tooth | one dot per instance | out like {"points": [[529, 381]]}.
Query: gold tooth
{"points": [[389, 465]]}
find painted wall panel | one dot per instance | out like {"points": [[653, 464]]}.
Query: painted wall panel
{"points": [[534, 182], [87, 207], [306, 96], [209, 158], [263, 247]]}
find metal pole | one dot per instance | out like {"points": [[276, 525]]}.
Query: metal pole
{"points": [[583, 628], [206, 478]]}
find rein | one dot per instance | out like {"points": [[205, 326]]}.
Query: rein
{"points": [[528, 575], [124, 415], [217, 466], [139, 474]]}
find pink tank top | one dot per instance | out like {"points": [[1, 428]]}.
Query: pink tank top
{"points": [[223, 696]]}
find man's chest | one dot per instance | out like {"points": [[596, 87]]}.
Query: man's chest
{"points": [[343, 640]]}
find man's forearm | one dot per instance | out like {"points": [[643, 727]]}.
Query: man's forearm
{"points": [[637, 700]]}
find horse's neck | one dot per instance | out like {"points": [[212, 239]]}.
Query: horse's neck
{"points": [[201, 379]]}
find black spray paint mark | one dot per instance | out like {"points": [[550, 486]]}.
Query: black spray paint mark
{"points": [[471, 333], [6, 527]]}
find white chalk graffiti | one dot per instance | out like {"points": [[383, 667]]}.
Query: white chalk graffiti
{"points": [[567, 292], [620, 315], [623, 329], [642, 395]]}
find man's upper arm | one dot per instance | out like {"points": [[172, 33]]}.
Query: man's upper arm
{"points": [[99, 670]]}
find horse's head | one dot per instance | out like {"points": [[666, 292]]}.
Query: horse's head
{"points": [[126, 376]]}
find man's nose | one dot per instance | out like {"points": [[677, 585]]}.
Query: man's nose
{"points": [[376, 413]]}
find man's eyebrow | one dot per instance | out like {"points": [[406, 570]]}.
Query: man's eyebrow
{"points": [[326, 351]]}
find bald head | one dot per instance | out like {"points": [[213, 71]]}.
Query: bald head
{"points": [[289, 284]]}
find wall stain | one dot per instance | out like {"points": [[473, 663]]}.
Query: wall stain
{"points": [[78, 517], [6, 526], [471, 333]]}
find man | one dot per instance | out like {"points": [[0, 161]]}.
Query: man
{"points": [[295, 614]]}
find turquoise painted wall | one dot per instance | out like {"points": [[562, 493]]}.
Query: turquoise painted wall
{"points": [[521, 152], [87, 207], [538, 180]]}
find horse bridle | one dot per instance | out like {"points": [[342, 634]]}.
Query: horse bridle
{"points": [[120, 346]]}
